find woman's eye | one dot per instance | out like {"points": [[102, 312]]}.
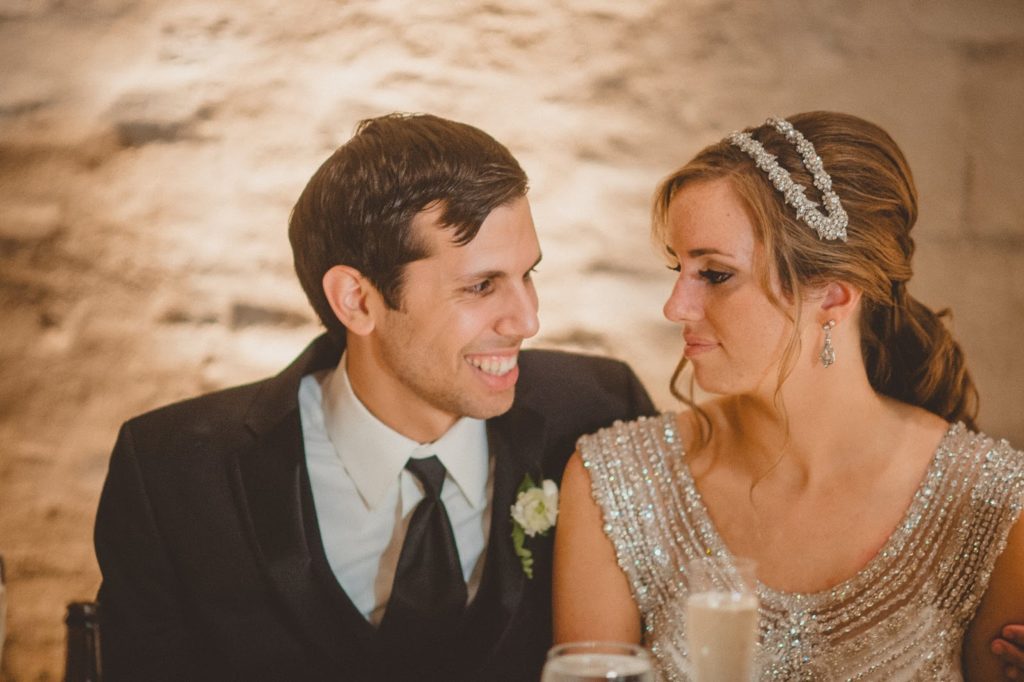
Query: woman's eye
{"points": [[675, 268], [715, 276]]}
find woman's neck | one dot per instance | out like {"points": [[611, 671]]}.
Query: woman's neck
{"points": [[821, 422]]}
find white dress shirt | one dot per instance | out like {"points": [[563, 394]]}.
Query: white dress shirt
{"points": [[364, 497]]}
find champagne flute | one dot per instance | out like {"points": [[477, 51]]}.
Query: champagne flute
{"points": [[721, 618], [597, 662]]}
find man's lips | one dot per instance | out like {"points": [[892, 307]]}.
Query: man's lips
{"points": [[494, 364], [498, 371]]}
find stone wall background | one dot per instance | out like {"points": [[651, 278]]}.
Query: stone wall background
{"points": [[150, 152]]}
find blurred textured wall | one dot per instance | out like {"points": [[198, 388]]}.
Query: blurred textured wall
{"points": [[150, 152]]}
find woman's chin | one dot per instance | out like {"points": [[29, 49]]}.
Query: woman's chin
{"points": [[712, 386]]}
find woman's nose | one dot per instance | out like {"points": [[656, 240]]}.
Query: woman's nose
{"points": [[683, 304]]}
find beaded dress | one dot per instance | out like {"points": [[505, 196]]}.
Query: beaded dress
{"points": [[902, 617]]}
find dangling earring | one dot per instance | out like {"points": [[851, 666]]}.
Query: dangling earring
{"points": [[828, 353]]}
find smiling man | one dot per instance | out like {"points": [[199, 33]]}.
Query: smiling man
{"points": [[450, 349], [350, 517]]}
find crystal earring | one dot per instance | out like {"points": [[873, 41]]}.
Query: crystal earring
{"points": [[828, 353]]}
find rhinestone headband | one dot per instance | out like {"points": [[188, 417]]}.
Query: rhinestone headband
{"points": [[829, 227]]}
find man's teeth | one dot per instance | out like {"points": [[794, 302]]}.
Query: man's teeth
{"points": [[496, 365]]}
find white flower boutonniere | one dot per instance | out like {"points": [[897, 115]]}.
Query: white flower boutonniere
{"points": [[534, 513]]}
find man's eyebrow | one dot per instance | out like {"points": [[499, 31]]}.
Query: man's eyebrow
{"points": [[495, 274]]}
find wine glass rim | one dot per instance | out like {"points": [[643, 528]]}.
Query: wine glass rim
{"points": [[599, 646]]}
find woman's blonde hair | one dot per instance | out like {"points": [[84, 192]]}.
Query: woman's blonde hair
{"points": [[908, 352]]}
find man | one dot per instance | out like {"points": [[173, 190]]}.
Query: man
{"points": [[350, 517]]}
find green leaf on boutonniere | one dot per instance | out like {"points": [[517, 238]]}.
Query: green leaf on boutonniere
{"points": [[525, 555], [519, 534]]}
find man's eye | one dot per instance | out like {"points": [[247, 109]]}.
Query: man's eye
{"points": [[480, 288], [715, 276], [675, 268]]}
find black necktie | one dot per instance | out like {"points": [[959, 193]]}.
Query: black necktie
{"points": [[428, 597]]}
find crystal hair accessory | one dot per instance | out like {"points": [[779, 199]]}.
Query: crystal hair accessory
{"points": [[830, 225]]}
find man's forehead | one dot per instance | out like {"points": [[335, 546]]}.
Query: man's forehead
{"points": [[499, 244], [427, 223]]}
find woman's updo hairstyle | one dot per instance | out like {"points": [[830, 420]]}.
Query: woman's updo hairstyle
{"points": [[908, 352]]}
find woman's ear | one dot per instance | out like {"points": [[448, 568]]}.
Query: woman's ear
{"points": [[348, 292], [839, 302]]}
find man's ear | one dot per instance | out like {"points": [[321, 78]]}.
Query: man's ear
{"points": [[348, 292], [839, 302]]}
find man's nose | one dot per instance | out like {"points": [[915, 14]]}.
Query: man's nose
{"points": [[520, 318]]}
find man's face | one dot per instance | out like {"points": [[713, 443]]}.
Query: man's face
{"points": [[451, 349]]}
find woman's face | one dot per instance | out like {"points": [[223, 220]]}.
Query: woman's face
{"points": [[735, 336]]}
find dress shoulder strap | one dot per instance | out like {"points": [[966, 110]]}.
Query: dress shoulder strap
{"points": [[984, 487], [632, 475]]}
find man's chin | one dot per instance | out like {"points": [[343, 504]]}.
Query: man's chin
{"points": [[492, 406]]}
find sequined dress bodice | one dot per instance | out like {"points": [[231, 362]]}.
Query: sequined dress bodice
{"points": [[902, 617]]}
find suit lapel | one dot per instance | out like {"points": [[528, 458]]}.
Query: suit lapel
{"points": [[516, 441], [271, 494]]}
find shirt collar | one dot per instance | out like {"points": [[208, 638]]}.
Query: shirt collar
{"points": [[374, 454]]}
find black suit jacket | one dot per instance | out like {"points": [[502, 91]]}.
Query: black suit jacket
{"points": [[211, 556]]}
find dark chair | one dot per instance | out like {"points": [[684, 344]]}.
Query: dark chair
{"points": [[82, 663]]}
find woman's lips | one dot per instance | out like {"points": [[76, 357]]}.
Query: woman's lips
{"points": [[696, 346]]}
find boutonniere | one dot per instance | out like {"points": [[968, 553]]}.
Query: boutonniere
{"points": [[534, 513]]}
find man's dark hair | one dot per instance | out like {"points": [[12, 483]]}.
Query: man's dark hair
{"points": [[357, 209]]}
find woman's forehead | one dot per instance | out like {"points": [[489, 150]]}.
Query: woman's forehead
{"points": [[709, 217]]}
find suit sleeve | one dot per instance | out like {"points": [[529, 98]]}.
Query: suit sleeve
{"points": [[144, 634]]}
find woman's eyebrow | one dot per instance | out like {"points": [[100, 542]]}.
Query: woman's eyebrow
{"points": [[697, 253]]}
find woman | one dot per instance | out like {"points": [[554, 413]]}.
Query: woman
{"points": [[842, 453]]}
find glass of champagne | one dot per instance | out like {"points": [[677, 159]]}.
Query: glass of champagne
{"points": [[721, 618], [597, 662]]}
